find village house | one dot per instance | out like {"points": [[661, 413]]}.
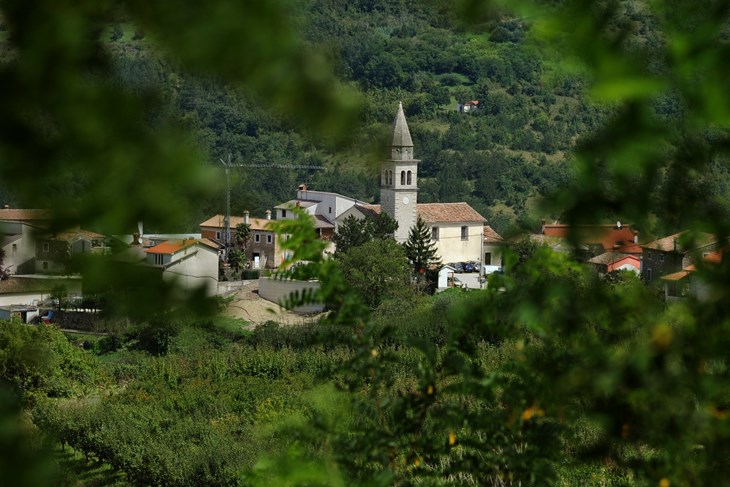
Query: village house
{"points": [[688, 282], [55, 251], [18, 246], [599, 244], [469, 106], [191, 263], [262, 249], [674, 253], [492, 249]]}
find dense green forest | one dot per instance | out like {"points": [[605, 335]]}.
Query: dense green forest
{"points": [[550, 376], [500, 158]]}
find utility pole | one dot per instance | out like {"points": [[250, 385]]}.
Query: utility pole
{"points": [[228, 166], [227, 219]]}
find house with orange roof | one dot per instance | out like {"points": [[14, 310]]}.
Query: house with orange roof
{"points": [[262, 250], [191, 263], [674, 253], [598, 238], [687, 282]]}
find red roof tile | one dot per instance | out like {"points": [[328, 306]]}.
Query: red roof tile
{"points": [[671, 243], [449, 213], [440, 212], [610, 237], [490, 236], [172, 247]]}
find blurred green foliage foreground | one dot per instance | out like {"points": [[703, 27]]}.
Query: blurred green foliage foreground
{"points": [[550, 377]]}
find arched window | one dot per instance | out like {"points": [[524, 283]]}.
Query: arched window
{"points": [[409, 177], [403, 178]]}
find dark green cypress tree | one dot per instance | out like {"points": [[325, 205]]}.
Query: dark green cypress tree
{"points": [[420, 249]]}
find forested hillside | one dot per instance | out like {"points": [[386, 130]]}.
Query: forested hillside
{"points": [[498, 158]]}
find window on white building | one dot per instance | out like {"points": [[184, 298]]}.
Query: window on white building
{"points": [[465, 233], [269, 239], [256, 238], [159, 259], [434, 233]]}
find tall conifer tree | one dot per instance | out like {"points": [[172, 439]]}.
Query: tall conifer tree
{"points": [[420, 249]]}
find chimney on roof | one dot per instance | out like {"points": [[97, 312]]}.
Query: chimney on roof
{"points": [[268, 214], [618, 224], [636, 236], [245, 217]]}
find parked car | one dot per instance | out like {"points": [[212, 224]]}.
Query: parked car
{"points": [[468, 267], [458, 266]]}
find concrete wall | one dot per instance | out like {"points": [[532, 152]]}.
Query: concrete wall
{"points": [[278, 290]]}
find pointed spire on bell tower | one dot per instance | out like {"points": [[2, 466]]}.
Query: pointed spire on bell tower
{"points": [[402, 146]]}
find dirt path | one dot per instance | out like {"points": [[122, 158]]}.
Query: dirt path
{"points": [[248, 305]]}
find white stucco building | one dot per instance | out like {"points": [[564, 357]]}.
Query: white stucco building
{"points": [[191, 263]]}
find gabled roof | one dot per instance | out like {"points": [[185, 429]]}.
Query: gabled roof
{"points": [[670, 243], [490, 236], [449, 213], [401, 134], [369, 210], [219, 221], [171, 247]]}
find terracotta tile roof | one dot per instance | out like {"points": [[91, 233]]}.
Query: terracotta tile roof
{"points": [[667, 244], [490, 236], [677, 276], [449, 213], [171, 247], [370, 210], [440, 212], [18, 214], [609, 236], [322, 222], [218, 221], [608, 258]]}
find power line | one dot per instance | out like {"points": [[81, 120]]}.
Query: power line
{"points": [[282, 166]]}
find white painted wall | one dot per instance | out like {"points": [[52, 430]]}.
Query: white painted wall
{"points": [[24, 246], [194, 267]]}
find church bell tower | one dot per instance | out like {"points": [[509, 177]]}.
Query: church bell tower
{"points": [[398, 179]]}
